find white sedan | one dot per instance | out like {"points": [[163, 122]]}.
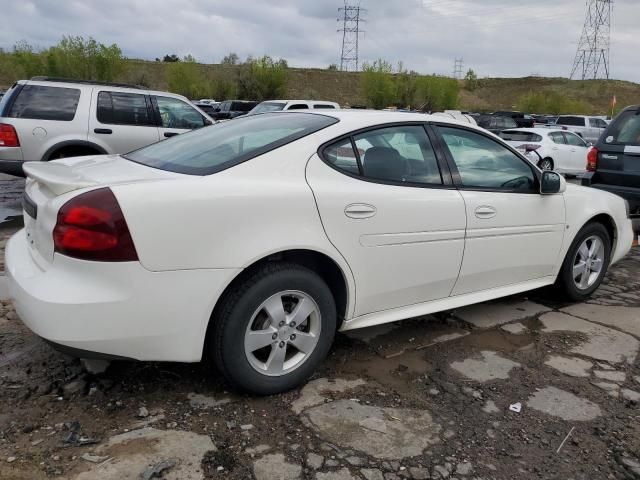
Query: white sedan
{"points": [[255, 240], [550, 148]]}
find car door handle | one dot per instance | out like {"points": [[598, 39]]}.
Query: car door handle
{"points": [[103, 131], [170, 134], [360, 211], [486, 212]]}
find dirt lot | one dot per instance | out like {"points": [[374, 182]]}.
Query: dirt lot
{"points": [[425, 398]]}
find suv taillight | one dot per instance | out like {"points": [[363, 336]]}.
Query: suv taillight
{"points": [[592, 159], [8, 136], [91, 226]]}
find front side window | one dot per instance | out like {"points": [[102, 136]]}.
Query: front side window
{"points": [[177, 114], [117, 108], [212, 149], [46, 103], [557, 137], [486, 164], [574, 140]]}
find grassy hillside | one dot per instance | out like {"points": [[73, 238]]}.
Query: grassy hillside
{"points": [[345, 88]]}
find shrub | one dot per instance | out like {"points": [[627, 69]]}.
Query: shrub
{"points": [[378, 86], [263, 78]]}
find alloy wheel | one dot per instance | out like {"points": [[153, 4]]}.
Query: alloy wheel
{"points": [[588, 262], [283, 333]]}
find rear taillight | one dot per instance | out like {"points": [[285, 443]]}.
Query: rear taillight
{"points": [[8, 136], [91, 226], [592, 159]]}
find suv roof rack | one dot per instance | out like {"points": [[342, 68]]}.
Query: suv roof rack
{"points": [[86, 82]]}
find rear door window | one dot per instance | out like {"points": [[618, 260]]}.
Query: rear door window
{"points": [[298, 106], [557, 137], [574, 140], [325, 106], [117, 108], [46, 103]]}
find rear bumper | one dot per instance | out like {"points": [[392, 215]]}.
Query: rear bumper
{"points": [[630, 194], [114, 309]]}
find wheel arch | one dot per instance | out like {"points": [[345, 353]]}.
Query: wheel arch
{"points": [[609, 223], [70, 144], [330, 270]]}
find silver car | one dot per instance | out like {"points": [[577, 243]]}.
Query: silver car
{"points": [[45, 118]]}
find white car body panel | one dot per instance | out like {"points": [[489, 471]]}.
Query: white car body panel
{"points": [[194, 235]]}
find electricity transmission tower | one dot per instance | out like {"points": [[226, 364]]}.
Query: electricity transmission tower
{"points": [[592, 57], [457, 68], [351, 18]]}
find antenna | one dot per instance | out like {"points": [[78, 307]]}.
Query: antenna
{"points": [[592, 57], [351, 17]]}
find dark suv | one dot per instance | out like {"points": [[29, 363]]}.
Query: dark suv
{"points": [[613, 164], [233, 108]]}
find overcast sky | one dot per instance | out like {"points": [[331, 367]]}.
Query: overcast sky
{"points": [[495, 37]]}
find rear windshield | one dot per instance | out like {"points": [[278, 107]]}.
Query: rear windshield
{"points": [[242, 106], [512, 136], [266, 107], [45, 103], [221, 146], [625, 129]]}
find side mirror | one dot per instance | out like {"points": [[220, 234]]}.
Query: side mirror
{"points": [[552, 183]]}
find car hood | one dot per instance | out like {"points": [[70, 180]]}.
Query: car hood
{"points": [[66, 175]]}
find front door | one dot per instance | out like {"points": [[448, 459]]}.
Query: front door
{"points": [[393, 213], [176, 116], [514, 234]]}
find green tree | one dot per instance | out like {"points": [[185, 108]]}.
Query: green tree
{"points": [[263, 78], [231, 59], [26, 60], [436, 93], [75, 57], [406, 87], [186, 78], [471, 80], [333, 67], [377, 83], [171, 58]]}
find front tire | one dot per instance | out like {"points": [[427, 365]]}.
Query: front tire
{"points": [[274, 329], [586, 263]]}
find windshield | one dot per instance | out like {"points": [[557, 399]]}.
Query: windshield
{"points": [[218, 147], [266, 107]]}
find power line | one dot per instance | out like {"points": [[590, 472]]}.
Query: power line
{"points": [[351, 18], [592, 57], [457, 68]]}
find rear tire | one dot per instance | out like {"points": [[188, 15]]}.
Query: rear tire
{"points": [[256, 346], [586, 263]]}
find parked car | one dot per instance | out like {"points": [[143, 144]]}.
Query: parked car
{"points": [[495, 124], [558, 150], [522, 120], [614, 162], [233, 108], [540, 120], [207, 108], [249, 239], [210, 101], [284, 105], [457, 115], [44, 118], [589, 128]]}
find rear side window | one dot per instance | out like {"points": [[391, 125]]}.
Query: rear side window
{"points": [[298, 106], [46, 103], [242, 106], [212, 149], [597, 123], [571, 121], [511, 136], [324, 105], [118, 108], [625, 129]]}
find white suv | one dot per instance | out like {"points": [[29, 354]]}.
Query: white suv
{"points": [[284, 105], [44, 119]]}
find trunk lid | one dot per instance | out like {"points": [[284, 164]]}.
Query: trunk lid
{"points": [[49, 186]]}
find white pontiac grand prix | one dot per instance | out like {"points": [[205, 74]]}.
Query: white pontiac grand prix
{"points": [[254, 240]]}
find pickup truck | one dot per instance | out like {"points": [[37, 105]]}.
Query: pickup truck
{"points": [[589, 128]]}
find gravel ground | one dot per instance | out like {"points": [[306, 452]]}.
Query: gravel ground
{"points": [[424, 398]]}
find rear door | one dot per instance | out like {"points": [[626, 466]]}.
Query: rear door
{"points": [[175, 116], [562, 154], [121, 121], [619, 157], [578, 149]]}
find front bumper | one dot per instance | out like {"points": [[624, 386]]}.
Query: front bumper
{"points": [[115, 309]]}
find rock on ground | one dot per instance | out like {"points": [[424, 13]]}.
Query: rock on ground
{"points": [[133, 452], [491, 367], [488, 315], [514, 328], [342, 474], [313, 392], [275, 467], [197, 400], [603, 343], [558, 403], [611, 375], [386, 433], [626, 319], [574, 367]]}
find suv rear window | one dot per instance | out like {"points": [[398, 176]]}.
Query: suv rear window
{"points": [[625, 129], [46, 103], [511, 136], [571, 121], [224, 145], [116, 108]]}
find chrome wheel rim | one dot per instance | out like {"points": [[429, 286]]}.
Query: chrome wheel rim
{"points": [[588, 263], [283, 333]]}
